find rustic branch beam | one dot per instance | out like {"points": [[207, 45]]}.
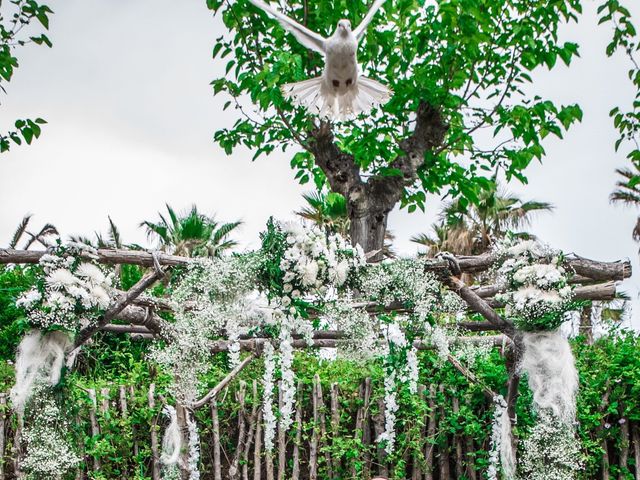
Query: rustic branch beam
{"points": [[224, 382], [257, 344], [586, 270], [111, 256], [479, 305], [120, 304]]}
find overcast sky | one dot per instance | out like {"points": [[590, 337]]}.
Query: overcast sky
{"points": [[131, 115]]}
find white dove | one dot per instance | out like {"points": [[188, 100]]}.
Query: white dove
{"points": [[341, 91]]}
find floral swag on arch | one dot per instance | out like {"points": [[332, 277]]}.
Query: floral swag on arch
{"points": [[308, 288]]}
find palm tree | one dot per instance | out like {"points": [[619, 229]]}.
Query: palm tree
{"points": [[627, 192], [329, 212], [193, 234], [472, 230], [39, 237]]}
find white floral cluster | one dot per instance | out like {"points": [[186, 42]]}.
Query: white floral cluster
{"points": [[536, 285], [406, 282], [440, 340], [268, 384], [315, 263], [361, 329], [49, 453], [390, 409], [73, 285], [214, 298], [412, 370], [551, 452], [287, 383], [194, 449]]}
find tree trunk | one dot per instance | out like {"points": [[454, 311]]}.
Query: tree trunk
{"points": [[586, 323], [368, 229], [234, 468]]}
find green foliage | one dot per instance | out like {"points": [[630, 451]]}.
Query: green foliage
{"points": [[13, 283], [470, 59], [15, 18]]}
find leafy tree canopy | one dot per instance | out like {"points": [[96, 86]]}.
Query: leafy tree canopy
{"points": [[16, 16], [470, 60]]}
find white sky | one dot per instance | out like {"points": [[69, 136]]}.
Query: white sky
{"points": [[131, 115]]}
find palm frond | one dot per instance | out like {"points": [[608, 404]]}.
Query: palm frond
{"points": [[114, 234], [22, 228]]}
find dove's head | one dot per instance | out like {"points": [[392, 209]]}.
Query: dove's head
{"points": [[344, 26]]}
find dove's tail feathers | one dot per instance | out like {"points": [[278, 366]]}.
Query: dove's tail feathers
{"points": [[311, 94], [366, 95], [317, 97]]}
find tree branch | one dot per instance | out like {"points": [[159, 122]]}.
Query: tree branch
{"points": [[121, 303]]}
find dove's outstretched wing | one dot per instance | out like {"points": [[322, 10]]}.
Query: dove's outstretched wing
{"points": [[360, 29], [306, 37]]}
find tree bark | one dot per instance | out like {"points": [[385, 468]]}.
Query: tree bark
{"points": [[586, 323], [234, 468], [95, 430], [635, 439], [257, 451], [295, 473]]}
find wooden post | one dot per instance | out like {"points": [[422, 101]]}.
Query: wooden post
{"points": [[335, 424], [124, 412], [234, 469], [635, 439], [217, 468], [250, 432], [457, 440], [378, 426], [104, 405], [313, 447], [257, 451], [3, 422], [155, 456], [416, 473], [282, 440], [624, 450], [95, 430], [431, 434], [445, 470], [323, 429], [136, 446], [295, 473]]}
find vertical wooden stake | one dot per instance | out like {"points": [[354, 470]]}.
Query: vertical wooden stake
{"points": [[234, 469], [3, 422], [217, 468], [378, 426], [155, 456], [295, 473], [416, 474], [335, 424], [282, 440], [136, 446], [250, 432], [313, 447], [445, 469], [95, 431], [457, 440], [257, 451], [431, 434], [635, 439]]}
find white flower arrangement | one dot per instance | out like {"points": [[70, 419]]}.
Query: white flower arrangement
{"points": [[551, 451], [194, 449], [501, 453], [537, 294], [72, 286], [287, 383], [315, 263], [390, 409], [49, 452], [268, 385]]}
